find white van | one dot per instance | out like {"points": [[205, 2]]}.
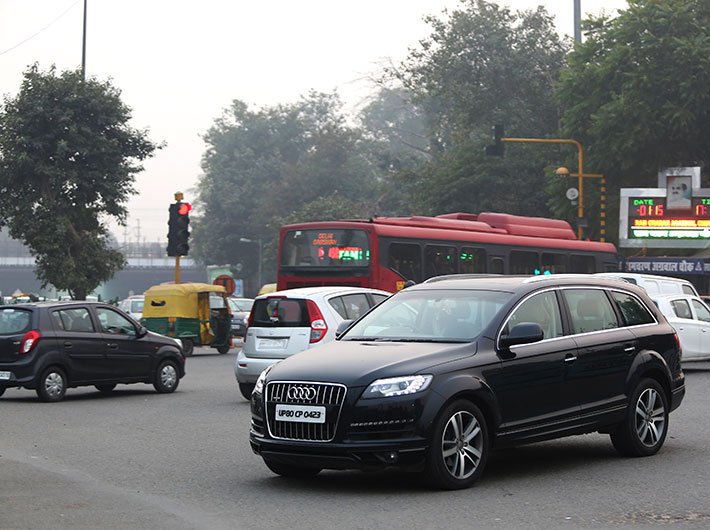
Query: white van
{"points": [[654, 284]]}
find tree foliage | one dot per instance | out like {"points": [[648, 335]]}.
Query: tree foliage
{"points": [[68, 161], [484, 64], [636, 94], [267, 164]]}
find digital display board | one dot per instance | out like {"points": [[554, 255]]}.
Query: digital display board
{"points": [[676, 214]]}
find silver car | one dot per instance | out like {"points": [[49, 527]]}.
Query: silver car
{"points": [[287, 322]]}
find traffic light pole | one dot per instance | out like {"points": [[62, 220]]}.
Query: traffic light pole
{"points": [[580, 173], [177, 269]]}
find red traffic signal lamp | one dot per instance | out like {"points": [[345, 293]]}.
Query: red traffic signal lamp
{"points": [[178, 228]]}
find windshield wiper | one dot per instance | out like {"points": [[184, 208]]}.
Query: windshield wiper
{"points": [[405, 339]]}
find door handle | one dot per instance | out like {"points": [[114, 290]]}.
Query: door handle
{"points": [[68, 344], [112, 345], [570, 358], [630, 349]]}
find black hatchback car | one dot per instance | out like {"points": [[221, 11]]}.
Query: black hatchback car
{"points": [[52, 346], [441, 372]]}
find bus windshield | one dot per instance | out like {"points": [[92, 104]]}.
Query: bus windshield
{"points": [[325, 248]]}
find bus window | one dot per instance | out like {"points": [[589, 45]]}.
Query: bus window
{"points": [[583, 264], [522, 262], [439, 260], [406, 261], [497, 266], [472, 260], [554, 263]]}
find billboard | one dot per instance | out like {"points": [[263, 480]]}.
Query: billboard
{"points": [[676, 214]]}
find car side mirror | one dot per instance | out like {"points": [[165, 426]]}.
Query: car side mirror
{"points": [[345, 324], [523, 333], [142, 331]]}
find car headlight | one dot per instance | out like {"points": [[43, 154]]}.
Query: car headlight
{"points": [[397, 386], [179, 342], [259, 385]]}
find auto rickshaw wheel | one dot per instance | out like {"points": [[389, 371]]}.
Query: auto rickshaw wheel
{"points": [[223, 348], [187, 347]]}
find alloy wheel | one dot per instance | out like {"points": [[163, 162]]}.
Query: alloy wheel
{"points": [[650, 417], [462, 444]]}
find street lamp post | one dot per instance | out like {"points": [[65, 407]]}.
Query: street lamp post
{"points": [[580, 173], [258, 242], [564, 172]]}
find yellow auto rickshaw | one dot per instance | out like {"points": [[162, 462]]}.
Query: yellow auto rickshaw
{"points": [[196, 313]]}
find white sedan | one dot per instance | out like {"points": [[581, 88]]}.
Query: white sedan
{"points": [[690, 316]]}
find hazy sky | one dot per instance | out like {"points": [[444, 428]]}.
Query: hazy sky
{"points": [[179, 63]]}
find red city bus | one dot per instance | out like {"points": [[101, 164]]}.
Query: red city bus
{"points": [[385, 252]]}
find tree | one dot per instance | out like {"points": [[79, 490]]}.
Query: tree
{"points": [[265, 164], [68, 161], [484, 64], [635, 92]]}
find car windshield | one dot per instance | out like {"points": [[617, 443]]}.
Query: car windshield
{"points": [[137, 306], [430, 316]]}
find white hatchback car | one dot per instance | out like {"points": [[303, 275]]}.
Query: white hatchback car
{"points": [[286, 322], [690, 317]]}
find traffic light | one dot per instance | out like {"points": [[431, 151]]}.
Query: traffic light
{"points": [[497, 148], [178, 228]]}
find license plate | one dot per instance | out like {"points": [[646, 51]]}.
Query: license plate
{"points": [[271, 344], [4, 376], [300, 413]]}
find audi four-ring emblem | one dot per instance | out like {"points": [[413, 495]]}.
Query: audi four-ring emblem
{"points": [[302, 392]]}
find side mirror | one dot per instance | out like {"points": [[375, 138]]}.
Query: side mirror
{"points": [[142, 331], [523, 333], [345, 324]]}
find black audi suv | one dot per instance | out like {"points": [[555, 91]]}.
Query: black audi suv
{"points": [[441, 372]]}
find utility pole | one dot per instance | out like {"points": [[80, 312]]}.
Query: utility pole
{"points": [[577, 21], [83, 47]]}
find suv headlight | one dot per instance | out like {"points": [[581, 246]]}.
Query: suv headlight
{"points": [[259, 385], [179, 342], [397, 386]]}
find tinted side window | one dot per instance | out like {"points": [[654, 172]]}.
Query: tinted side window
{"points": [[702, 311], [681, 308], [542, 309], [633, 311], [337, 304], [439, 260], [75, 319], [687, 289], [590, 310], [379, 298], [355, 305], [583, 264], [112, 322], [405, 259], [472, 260], [523, 262]]}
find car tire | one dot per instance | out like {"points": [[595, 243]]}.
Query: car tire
{"points": [[167, 377], [188, 347], [292, 471], [223, 348], [459, 447], [644, 429], [105, 389], [2, 391], [52, 385], [246, 389]]}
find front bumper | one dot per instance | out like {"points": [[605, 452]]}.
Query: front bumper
{"points": [[407, 453]]}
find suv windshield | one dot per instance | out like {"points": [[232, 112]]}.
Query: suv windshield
{"points": [[14, 321], [430, 316]]}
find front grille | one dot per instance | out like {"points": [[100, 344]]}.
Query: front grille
{"points": [[328, 395]]}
